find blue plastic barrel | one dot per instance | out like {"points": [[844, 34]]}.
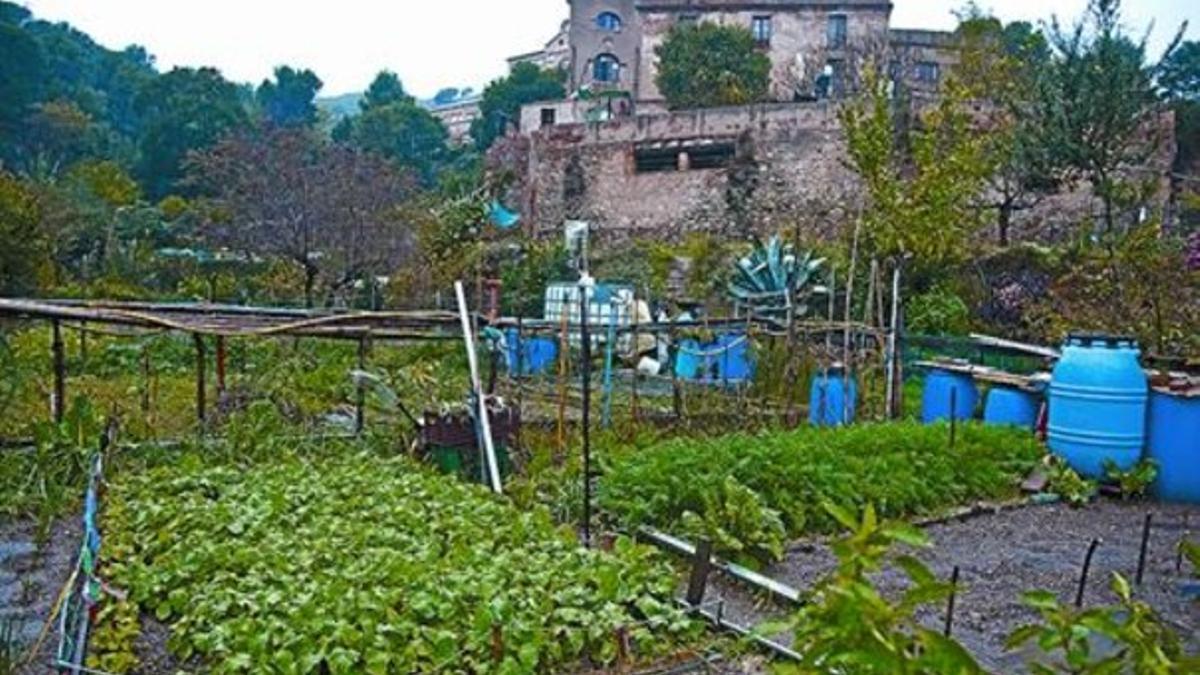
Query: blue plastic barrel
{"points": [[1098, 395], [734, 364], [944, 388], [1011, 407], [828, 402], [1174, 443], [530, 356], [689, 362]]}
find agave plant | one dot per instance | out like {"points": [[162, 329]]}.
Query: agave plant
{"points": [[773, 279]]}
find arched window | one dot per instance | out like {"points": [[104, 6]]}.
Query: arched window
{"points": [[608, 21], [606, 68]]}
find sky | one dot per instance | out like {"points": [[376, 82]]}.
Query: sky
{"points": [[431, 45]]}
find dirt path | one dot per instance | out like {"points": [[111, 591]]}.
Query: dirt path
{"points": [[1002, 555], [31, 579]]}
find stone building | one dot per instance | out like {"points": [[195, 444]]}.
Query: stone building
{"points": [[814, 45], [555, 54], [635, 169], [457, 116]]}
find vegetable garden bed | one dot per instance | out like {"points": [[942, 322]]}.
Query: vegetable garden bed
{"points": [[751, 493], [355, 563]]}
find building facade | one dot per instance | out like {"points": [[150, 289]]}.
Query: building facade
{"points": [[612, 154], [458, 116], [815, 46]]}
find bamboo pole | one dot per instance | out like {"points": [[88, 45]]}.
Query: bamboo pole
{"points": [[484, 419], [846, 402], [892, 344]]}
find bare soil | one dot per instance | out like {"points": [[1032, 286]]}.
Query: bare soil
{"points": [[1001, 555], [31, 578]]}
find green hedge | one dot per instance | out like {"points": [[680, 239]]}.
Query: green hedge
{"points": [[750, 493]]}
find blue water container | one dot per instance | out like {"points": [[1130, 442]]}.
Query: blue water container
{"points": [[1174, 443], [942, 387], [531, 356], [689, 362], [1098, 401], [828, 402], [1011, 407], [734, 365]]}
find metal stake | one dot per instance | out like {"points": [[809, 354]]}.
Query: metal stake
{"points": [[586, 356], [950, 604], [1141, 568], [1087, 566]]}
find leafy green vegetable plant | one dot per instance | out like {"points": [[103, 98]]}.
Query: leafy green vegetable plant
{"points": [[1067, 484], [847, 626], [1134, 482], [739, 489], [343, 562], [1139, 642]]}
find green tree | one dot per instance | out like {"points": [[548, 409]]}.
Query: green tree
{"points": [[386, 89], [291, 99], [20, 78], [1179, 80], [1003, 65], [184, 110], [56, 135], [922, 183], [23, 250], [1101, 94], [1179, 74], [405, 133], [705, 65], [503, 98]]}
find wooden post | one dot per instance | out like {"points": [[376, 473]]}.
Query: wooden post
{"points": [[220, 364], [360, 403], [701, 566], [83, 344], [201, 357], [145, 379], [58, 402]]}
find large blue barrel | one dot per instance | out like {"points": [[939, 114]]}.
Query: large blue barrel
{"points": [[1011, 407], [1174, 443], [690, 363], [833, 399], [530, 356], [734, 364], [1098, 398], [944, 388]]}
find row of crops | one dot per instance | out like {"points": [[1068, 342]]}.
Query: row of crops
{"points": [[751, 493], [354, 562]]}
